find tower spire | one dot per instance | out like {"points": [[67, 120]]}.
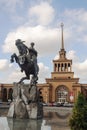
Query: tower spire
{"points": [[62, 51], [62, 40]]}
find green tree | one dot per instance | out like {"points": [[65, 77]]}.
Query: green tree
{"points": [[78, 120]]}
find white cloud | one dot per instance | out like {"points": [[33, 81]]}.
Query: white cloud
{"points": [[76, 22], [3, 64], [72, 55], [12, 10], [56, 57], [46, 39], [82, 67], [44, 72], [42, 13], [10, 5], [14, 76], [78, 15], [80, 70]]}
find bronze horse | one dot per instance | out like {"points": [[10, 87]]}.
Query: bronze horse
{"points": [[27, 65]]}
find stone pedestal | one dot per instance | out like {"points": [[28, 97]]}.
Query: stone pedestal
{"points": [[26, 103]]}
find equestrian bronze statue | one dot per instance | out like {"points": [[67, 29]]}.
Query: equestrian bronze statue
{"points": [[27, 61]]}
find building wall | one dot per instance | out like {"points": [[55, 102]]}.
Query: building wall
{"points": [[6, 92], [62, 74], [49, 90], [68, 85]]}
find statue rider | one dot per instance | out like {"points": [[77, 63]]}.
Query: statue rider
{"points": [[30, 53], [33, 57]]}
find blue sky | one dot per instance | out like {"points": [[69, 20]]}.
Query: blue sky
{"points": [[39, 21]]}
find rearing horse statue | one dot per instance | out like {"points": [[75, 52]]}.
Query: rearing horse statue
{"points": [[27, 61]]}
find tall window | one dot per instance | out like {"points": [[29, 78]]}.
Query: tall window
{"points": [[68, 66]]}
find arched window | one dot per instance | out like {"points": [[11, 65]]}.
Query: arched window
{"points": [[62, 94]]}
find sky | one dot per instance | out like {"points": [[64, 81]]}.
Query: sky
{"points": [[39, 21]]}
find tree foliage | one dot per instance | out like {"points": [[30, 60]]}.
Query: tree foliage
{"points": [[78, 120]]}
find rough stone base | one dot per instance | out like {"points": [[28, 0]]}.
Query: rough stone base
{"points": [[21, 107], [34, 111], [20, 110]]}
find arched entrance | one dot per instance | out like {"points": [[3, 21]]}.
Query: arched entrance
{"points": [[10, 94], [4, 95], [62, 94]]}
